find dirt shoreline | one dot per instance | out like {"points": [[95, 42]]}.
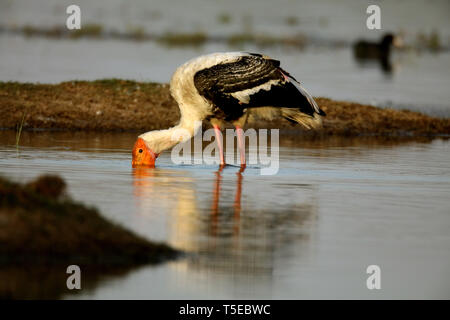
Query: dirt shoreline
{"points": [[40, 223], [43, 231], [122, 105]]}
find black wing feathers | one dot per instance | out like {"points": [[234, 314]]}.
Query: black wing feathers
{"points": [[218, 83], [245, 73]]}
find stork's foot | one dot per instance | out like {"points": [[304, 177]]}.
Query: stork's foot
{"points": [[222, 166], [241, 167]]}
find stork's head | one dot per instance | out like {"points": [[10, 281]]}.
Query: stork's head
{"points": [[143, 155]]}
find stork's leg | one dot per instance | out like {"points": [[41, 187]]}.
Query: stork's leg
{"points": [[237, 203], [219, 144], [215, 204], [240, 137]]}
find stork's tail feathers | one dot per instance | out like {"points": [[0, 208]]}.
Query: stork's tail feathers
{"points": [[309, 122]]}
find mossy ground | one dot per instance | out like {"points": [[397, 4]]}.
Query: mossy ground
{"points": [[39, 224], [114, 105], [42, 232]]}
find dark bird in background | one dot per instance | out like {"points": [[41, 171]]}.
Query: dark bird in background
{"points": [[367, 52]]}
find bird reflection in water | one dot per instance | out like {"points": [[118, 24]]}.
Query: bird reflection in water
{"points": [[209, 219], [236, 205]]}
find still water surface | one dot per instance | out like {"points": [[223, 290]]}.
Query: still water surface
{"points": [[335, 207]]}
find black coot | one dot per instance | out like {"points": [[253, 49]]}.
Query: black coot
{"points": [[366, 51]]}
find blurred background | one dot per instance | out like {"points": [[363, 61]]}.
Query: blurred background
{"points": [[315, 40], [337, 204]]}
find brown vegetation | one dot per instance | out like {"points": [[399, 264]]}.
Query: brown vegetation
{"points": [[39, 224], [108, 105]]}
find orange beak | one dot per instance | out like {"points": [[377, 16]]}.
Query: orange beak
{"points": [[143, 156]]}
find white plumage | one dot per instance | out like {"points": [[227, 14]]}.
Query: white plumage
{"points": [[228, 86]]}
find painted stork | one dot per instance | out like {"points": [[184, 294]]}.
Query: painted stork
{"points": [[226, 87]]}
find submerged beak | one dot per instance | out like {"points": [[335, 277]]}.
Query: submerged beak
{"points": [[143, 156]]}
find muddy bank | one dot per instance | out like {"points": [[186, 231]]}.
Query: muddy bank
{"points": [[42, 232], [121, 105], [39, 223]]}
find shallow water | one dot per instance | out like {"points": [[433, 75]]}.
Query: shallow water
{"points": [[343, 20], [335, 207]]}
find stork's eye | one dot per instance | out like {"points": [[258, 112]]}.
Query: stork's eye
{"points": [[140, 150]]}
